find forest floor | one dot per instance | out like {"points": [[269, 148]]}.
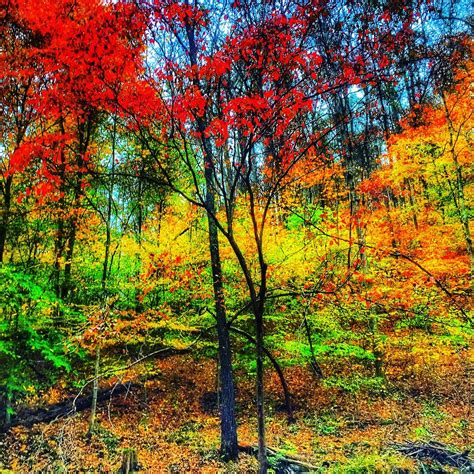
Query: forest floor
{"points": [[170, 422]]}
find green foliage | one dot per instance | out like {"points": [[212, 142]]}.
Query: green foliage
{"points": [[33, 350], [312, 214], [430, 410], [325, 424], [188, 432], [275, 460], [108, 438], [370, 463], [356, 383]]}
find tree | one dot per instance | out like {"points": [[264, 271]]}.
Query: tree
{"points": [[85, 55], [431, 159], [235, 109], [21, 78]]}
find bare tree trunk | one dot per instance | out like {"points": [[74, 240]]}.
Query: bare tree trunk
{"points": [[5, 214], [58, 254], [105, 267], [262, 448], [108, 217], [284, 385], [229, 445], [314, 363], [95, 390], [129, 462], [411, 197], [378, 353], [8, 408], [66, 286]]}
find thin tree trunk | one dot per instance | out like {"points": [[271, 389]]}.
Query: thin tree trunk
{"points": [[95, 391], [108, 217], [378, 354], [229, 445], [5, 217], [58, 254], [279, 371], [411, 197], [8, 407], [105, 266], [262, 448], [314, 363], [66, 286]]}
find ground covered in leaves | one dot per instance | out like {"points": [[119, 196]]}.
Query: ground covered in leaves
{"points": [[171, 422]]}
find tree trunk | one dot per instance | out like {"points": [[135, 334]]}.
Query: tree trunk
{"points": [[262, 449], [95, 391], [279, 371], [5, 217], [314, 363], [66, 286], [108, 217], [8, 408], [129, 462], [105, 267], [58, 254], [229, 445]]}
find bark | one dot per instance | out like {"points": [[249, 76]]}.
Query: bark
{"points": [[314, 363], [58, 253], [95, 391], [378, 354], [22, 123], [279, 371], [262, 450], [84, 137], [7, 197], [108, 217], [67, 284], [229, 444], [8, 407], [346, 138], [411, 198], [105, 267], [129, 462]]}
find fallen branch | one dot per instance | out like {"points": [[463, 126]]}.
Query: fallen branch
{"points": [[437, 452], [28, 418]]}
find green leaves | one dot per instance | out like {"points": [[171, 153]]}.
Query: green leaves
{"points": [[311, 214], [356, 383], [32, 349]]}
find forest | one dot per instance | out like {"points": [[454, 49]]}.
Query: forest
{"points": [[236, 236]]}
